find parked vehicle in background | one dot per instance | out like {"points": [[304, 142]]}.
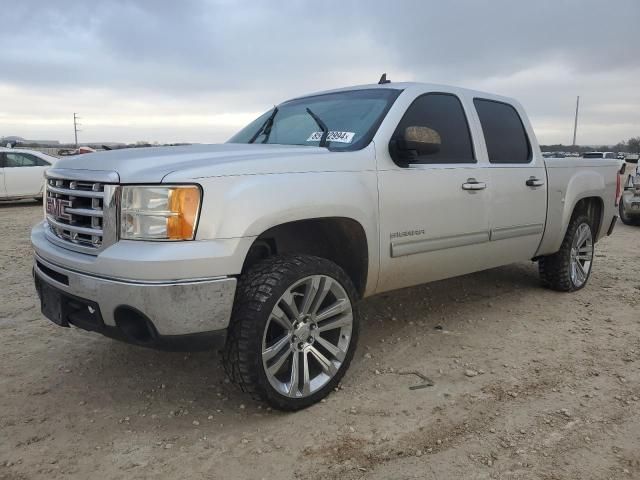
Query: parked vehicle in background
{"points": [[65, 152], [610, 155], [22, 173], [629, 207], [266, 243]]}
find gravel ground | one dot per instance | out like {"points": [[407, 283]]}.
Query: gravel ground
{"points": [[528, 383]]}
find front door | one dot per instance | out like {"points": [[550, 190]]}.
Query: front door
{"points": [[434, 220], [23, 174]]}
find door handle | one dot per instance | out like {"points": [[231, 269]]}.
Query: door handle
{"points": [[534, 182], [473, 184]]}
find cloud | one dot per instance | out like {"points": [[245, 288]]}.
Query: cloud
{"points": [[166, 68]]}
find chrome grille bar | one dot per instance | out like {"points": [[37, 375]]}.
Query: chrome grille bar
{"points": [[89, 212], [72, 228], [76, 193]]}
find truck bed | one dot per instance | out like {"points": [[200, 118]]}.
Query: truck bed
{"points": [[569, 180]]}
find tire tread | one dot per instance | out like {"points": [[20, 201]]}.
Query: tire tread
{"points": [[255, 289], [555, 269]]}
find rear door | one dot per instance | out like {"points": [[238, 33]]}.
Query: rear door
{"points": [[433, 211], [518, 181], [23, 174]]}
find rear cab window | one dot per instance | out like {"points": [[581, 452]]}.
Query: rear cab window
{"points": [[504, 132]]}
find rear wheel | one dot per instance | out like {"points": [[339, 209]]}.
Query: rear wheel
{"points": [[626, 219], [293, 332], [569, 268]]}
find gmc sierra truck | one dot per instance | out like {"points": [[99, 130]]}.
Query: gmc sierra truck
{"points": [[265, 244]]}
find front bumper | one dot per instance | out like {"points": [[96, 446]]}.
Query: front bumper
{"points": [[155, 314]]}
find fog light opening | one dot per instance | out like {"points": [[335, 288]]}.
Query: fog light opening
{"points": [[134, 325]]}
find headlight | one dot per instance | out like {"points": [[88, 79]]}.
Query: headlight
{"points": [[159, 212]]}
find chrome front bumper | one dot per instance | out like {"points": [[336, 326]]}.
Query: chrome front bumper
{"points": [[174, 308]]}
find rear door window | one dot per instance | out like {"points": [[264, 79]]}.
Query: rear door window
{"points": [[504, 133]]}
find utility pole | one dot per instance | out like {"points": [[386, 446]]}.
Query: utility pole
{"points": [[75, 127], [575, 123]]}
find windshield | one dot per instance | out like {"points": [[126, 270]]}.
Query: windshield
{"points": [[351, 118]]}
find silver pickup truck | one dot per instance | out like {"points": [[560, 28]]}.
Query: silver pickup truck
{"points": [[265, 244]]}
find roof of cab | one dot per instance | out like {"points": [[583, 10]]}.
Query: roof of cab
{"points": [[416, 86]]}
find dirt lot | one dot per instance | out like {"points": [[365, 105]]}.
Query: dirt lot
{"points": [[528, 383]]}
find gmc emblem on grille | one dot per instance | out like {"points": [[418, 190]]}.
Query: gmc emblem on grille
{"points": [[58, 208]]}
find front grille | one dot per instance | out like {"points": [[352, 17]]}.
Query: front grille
{"points": [[81, 209], [75, 211]]}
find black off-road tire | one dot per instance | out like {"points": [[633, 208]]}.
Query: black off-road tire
{"points": [[257, 292], [555, 270], [626, 219]]}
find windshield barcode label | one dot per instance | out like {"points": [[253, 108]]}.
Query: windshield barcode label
{"points": [[341, 137]]}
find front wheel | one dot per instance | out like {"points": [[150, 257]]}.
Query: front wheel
{"points": [[569, 268], [293, 332]]}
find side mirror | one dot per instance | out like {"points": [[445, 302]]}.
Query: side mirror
{"points": [[414, 142]]}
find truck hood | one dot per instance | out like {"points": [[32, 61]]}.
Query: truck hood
{"points": [[155, 164]]}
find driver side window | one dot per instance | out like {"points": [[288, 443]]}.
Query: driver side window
{"points": [[440, 115]]}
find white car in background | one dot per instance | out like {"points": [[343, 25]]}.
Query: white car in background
{"points": [[22, 173], [610, 155]]}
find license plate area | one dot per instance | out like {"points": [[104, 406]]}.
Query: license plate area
{"points": [[65, 309], [51, 301]]}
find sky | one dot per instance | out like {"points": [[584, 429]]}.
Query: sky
{"points": [[198, 70]]}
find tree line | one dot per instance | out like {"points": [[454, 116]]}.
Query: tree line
{"points": [[629, 146]]}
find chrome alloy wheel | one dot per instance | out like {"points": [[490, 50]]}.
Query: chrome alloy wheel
{"points": [[307, 336], [581, 255]]}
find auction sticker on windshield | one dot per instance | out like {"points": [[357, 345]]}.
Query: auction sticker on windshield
{"points": [[341, 137]]}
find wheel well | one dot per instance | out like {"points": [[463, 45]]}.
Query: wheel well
{"points": [[592, 207], [341, 240]]}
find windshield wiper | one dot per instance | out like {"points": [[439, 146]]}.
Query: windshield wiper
{"points": [[323, 127], [265, 127]]}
